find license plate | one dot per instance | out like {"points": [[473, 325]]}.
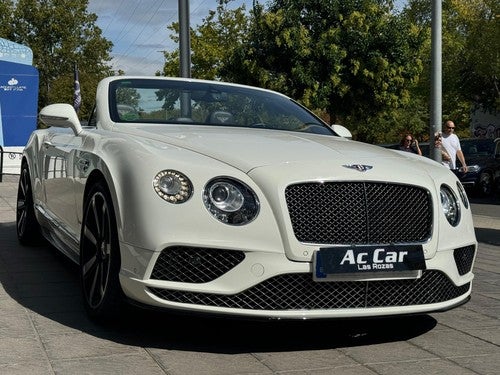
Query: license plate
{"points": [[367, 259]]}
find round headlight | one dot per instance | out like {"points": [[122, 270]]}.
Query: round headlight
{"points": [[449, 204], [230, 201], [172, 186]]}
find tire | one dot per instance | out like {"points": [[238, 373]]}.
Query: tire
{"points": [[100, 256], [485, 184], [28, 228]]}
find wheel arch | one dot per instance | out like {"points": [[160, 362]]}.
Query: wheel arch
{"points": [[35, 180], [104, 249], [98, 175]]}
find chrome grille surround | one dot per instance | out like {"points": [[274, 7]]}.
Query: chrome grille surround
{"points": [[298, 291], [194, 264], [353, 212]]}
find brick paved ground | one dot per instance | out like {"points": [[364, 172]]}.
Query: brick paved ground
{"points": [[44, 330]]}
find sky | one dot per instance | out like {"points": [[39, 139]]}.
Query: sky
{"points": [[138, 29]]}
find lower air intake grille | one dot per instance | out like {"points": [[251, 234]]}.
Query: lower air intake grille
{"points": [[194, 264], [464, 257], [300, 292]]}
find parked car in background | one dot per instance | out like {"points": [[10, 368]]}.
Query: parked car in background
{"points": [[483, 161], [482, 156], [217, 198]]}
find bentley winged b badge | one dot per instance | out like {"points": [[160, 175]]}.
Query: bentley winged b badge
{"points": [[358, 167]]}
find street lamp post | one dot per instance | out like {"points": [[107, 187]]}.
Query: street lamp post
{"points": [[184, 39], [185, 54], [436, 79]]}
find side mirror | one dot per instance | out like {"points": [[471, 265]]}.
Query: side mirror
{"points": [[342, 131], [61, 116]]}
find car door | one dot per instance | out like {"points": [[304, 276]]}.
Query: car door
{"points": [[57, 155]]}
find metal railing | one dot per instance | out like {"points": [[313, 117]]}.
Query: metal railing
{"points": [[12, 155]]}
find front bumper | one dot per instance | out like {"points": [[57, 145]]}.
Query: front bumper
{"points": [[264, 285]]}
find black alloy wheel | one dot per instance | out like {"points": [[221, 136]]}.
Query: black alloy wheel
{"points": [[100, 256], [28, 228]]}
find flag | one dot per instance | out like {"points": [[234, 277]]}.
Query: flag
{"points": [[77, 96]]}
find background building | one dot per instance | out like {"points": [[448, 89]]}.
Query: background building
{"points": [[18, 102]]}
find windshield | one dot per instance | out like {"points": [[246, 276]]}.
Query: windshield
{"points": [[204, 103]]}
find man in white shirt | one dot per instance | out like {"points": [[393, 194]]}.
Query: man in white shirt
{"points": [[452, 145]]}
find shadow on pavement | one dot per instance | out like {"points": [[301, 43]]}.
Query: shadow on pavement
{"points": [[45, 282], [219, 335], [492, 199], [488, 235], [488, 207]]}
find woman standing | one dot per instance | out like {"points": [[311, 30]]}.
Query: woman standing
{"points": [[410, 144]]}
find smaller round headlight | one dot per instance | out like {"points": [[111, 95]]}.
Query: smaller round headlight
{"points": [[226, 197], [172, 186], [463, 194], [450, 206]]}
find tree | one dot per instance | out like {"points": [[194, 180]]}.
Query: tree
{"points": [[60, 33], [6, 13], [471, 57], [481, 74], [212, 42], [349, 59]]}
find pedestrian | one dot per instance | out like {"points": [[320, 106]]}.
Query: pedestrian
{"points": [[438, 143], [451, 144], [410, 144]]}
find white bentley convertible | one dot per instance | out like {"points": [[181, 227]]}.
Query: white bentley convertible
{"points": [[220, 198]]}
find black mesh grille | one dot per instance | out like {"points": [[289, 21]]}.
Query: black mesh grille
{"points": [[464, 257], [300, 292], [194, 265], [359, 212]]}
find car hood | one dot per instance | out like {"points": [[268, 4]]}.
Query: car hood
{"points": [[273, 160], [249, 149]]}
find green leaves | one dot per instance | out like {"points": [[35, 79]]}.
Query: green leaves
{"points": [[470, 55], [212, 43], [347, 59], [60, 34]]}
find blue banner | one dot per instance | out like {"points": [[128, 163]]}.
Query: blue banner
{"points": [[18, 102]]}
